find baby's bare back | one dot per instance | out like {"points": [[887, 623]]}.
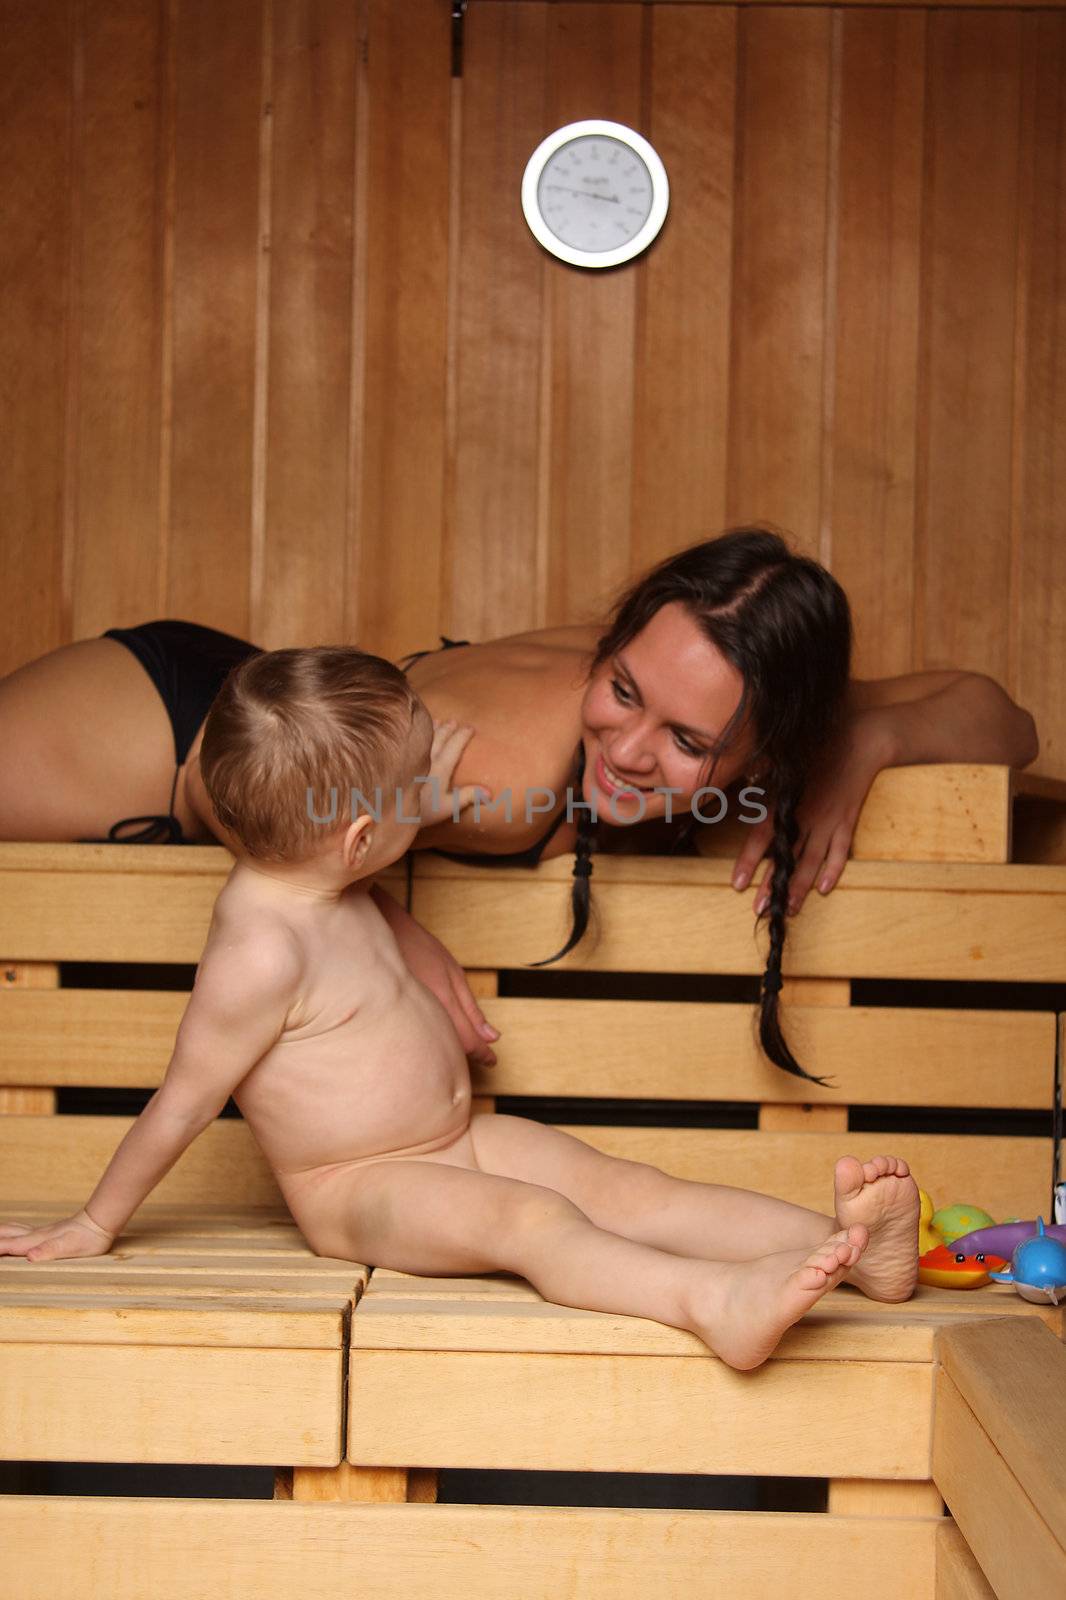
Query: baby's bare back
{"points": [[368, 1063]]}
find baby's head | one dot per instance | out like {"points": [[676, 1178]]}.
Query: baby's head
{"points": [[293, 735]]}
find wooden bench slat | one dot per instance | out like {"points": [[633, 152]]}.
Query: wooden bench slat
{"points": [[581, 1413], [136, 1283], [1007, 1176], [422, 1316], [59, 1158], [900, 931], [958, 1576], [153, 1317], [203, 1550], [1016, 1549], [614, 1048], [1014, 1381], [140, 1402]]}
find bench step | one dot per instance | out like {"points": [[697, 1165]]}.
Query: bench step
{"points": [[203, 1550]]}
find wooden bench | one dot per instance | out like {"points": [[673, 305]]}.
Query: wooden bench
{"points": [[211, 1335]]}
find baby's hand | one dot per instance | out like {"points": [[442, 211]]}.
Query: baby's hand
{"points": [[78, 1235], [438, 801]]}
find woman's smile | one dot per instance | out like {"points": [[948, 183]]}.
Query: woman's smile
{"points": [[612, 782]]}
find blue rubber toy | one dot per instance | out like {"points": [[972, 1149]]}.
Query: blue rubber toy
{"points": [[1037, 1268]]}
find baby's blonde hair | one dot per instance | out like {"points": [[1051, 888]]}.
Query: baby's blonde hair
{"points": [[286, 722]]}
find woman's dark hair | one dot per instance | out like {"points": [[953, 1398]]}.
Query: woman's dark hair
{"points": [[783, 621]]}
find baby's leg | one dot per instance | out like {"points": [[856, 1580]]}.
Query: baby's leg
{"points": [[713, 1220], [429, 1219]]}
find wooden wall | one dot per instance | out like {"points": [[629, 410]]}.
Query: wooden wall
{"points": [[279, 354]]}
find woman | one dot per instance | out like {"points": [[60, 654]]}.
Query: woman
{"points": [[728, 660]]}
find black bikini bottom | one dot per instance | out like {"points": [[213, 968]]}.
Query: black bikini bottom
{"points": [[188, 664]]}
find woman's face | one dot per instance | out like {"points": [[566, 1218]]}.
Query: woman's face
{"points": [[652, 717]]}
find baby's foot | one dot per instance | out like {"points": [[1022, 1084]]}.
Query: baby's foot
{"points": [[882, 1194], [747, 1305]]}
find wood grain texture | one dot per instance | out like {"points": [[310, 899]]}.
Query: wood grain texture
{"points": [[875, 342], [958, 1575], [1014, 1546], [775, 465], [303, 577], [970, 229], [1041, 556], [1014, 1381], [202, 1550], [400, 517], [120, 145], [217, 255], [681, 398], [492, 550], [634, 1414], [282, 356], [178, 1403], [596, 58], [37, 96], [663, 1050]]}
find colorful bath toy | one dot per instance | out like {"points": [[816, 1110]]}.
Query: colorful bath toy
{"points": [[928, 1237], [1038, 1268], [948, 1267], [1005, 1236], [952, 1222]]}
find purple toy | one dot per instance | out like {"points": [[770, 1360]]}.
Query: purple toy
{"points": [[1003, 1239]]}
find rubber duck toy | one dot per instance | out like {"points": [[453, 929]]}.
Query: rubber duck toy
{"points": [[928, 1236], [1037, 1268], [941, 1263]]}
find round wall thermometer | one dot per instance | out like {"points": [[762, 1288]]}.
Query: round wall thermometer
{"points": [[595, 193]]}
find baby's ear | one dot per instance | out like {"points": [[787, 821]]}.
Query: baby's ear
{"points": [[356, 841]]}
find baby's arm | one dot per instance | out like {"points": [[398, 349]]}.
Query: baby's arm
{"points": [[237, 1010]]}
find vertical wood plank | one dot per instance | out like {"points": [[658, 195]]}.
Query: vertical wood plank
{"points": [[775, 445], [595, 70], [401, 512], [971, 229], [1041, 643], [304, 575], [366, 1484], [491, 553], [681, 401], [35, 124], [218, 63], [871, 503], [774, 1118], [18, 1100], [119, 288], [884, 1497]]}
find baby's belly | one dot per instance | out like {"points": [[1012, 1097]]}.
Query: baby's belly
{"points": [[316, 1104]]}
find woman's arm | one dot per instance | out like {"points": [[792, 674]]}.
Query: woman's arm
{"points": [[436, 967], [943, 716], [912, 720]]}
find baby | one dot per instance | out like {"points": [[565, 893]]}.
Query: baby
{"points": [[350, 1074]]}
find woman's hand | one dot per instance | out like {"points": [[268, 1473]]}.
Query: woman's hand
{"points": [[78, 1235], [437, 968], [827, 815], [438, 800]]}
